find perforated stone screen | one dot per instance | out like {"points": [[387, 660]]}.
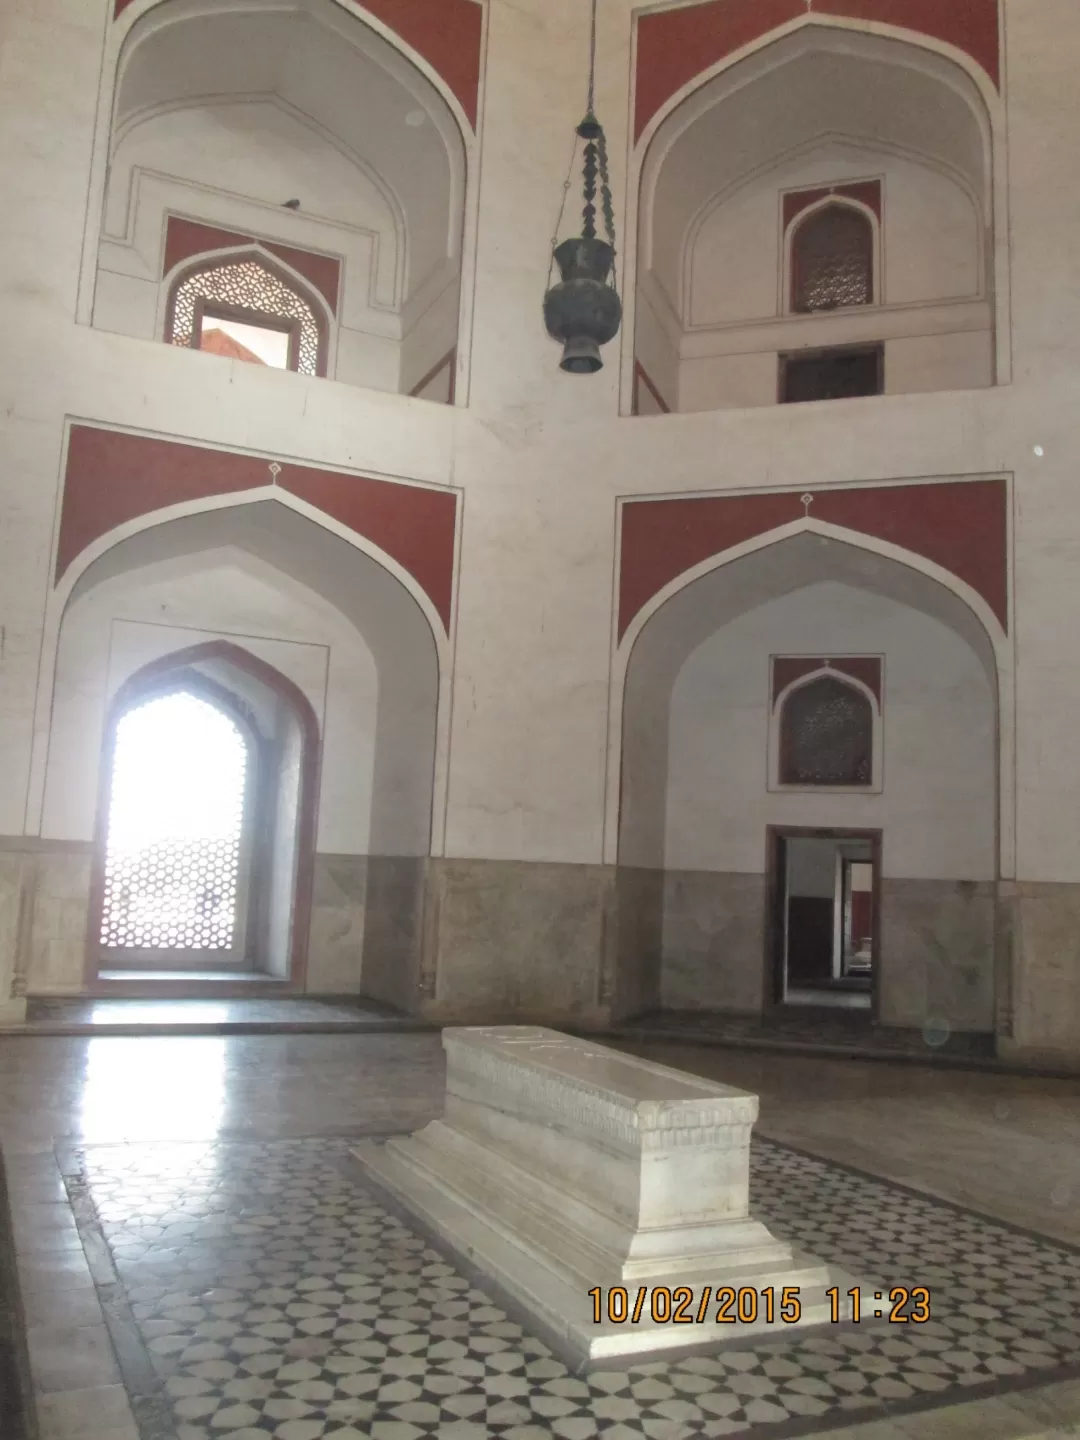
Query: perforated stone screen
{"points": [[249, 286], [826, 735], [172, 866], [833, 260]]}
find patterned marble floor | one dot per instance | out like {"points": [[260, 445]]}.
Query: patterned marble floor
{"points": [[259, 1290], [210, 1016]]}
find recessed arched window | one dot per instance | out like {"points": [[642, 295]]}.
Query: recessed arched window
{"points": [[205, 833], [245, 308], [826, 735], [832, 260], [176, 853]]}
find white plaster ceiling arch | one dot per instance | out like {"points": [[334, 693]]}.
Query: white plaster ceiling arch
{"points": [[815, 80], [692, 607], [322, 64]]}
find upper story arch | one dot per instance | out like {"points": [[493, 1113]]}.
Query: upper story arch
{"points": [[302, 125], [897, 122]]}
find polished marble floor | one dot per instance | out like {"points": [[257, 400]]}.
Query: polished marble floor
{"points": [[268, 1287], [198, 1257], [208, 1016]]}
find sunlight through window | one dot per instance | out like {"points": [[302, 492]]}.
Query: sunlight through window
{"points": [[139, 1089], [176, 809]]}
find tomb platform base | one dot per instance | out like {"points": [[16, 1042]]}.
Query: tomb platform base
{"points": [[605, 1197]]}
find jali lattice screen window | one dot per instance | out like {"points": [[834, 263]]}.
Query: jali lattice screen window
{"points": [[175, 828], [832, 260], [826, 735], [250, 293]]}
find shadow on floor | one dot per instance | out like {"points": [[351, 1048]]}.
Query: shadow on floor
{"points": [[814, 1030]]}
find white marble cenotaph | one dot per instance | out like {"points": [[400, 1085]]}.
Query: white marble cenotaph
{"points": [[561, 1168]]}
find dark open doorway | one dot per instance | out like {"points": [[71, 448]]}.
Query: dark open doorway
{"points": [[823, 926]]}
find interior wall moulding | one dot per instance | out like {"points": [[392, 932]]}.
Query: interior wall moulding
{"points": [[113, 477], [960, 525], [675, 45], [786, 669], [866, 192], [447, 33], [186, 239]]}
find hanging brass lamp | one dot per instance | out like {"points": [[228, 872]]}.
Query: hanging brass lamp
{"points": [[583, 310]]}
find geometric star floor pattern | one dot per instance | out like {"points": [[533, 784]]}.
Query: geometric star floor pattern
{"points": [[262, 1291]]}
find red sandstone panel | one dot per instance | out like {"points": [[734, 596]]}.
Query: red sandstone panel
{"points": [[675, 45], [968, 25], [113, 477], [414, 525], [962, 527], [867, 192], [787, 668], [184, 239], [447, 33]]}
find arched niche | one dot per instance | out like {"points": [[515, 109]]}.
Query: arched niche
{"points": [[694, 762], [232, 895], [821, 108], [223, 116], [340, 627]]}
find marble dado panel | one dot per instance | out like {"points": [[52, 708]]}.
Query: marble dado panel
{"points": [[938, 954], [713, 942], [338, 920], [634, 958], [508, 938], [12, 986], [478, 940], [394, 930], [44, 904], [1043, 923]]}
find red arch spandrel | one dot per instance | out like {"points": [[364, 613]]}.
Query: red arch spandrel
{"points": [[114, 477], [961, 526], [675, 45], [447, 33]]}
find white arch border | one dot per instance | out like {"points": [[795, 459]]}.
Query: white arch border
{"points": [[116, 34], [60, 595], [993, 124], [1000, 642], [776, 715]]}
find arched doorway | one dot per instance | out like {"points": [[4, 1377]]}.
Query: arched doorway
{"points": [[204, 840], [178, 833], [704, 784]]}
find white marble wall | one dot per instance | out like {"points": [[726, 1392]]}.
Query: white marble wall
{"points": [[541, 456]]}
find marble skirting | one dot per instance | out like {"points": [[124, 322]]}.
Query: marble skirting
{"points": [[475, 941]]}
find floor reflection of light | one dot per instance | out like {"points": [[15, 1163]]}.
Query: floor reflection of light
{"points": [[168, 1012], [153, 1089]]}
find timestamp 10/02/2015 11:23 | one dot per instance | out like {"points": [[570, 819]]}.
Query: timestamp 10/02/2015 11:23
{"points": [[901, 1305]]}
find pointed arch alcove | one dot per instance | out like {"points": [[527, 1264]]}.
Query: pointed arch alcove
{"points": [[694, 692], [311, 130], [341, 628], [204, 836], [900, 132]]}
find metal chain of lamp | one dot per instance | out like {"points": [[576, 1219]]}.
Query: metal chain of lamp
{"points": [[583, 310]]}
